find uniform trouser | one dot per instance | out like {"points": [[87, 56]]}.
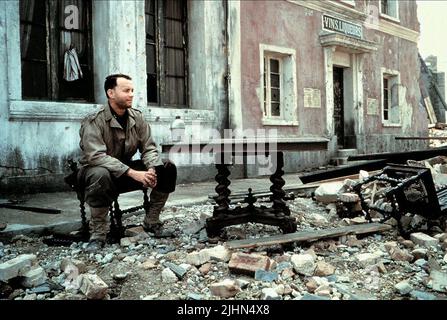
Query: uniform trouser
{"points": [[102, 188]]}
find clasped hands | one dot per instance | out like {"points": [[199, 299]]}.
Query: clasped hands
{"points": [[147, 178]]}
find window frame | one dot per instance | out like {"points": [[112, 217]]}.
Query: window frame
{"points": [[386, 15], [54, 63], [268, 86], [393, 78], [160, 55], [288, 86]]}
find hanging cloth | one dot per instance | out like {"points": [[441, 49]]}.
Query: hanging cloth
{"points": [[72, 68]]}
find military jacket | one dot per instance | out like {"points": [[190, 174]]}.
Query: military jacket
{"points": [[105, 144]]}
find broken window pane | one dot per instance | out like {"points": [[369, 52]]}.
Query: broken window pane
{"points": [[48, 44]]}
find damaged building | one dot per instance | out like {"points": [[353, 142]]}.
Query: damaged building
{"points": [[342, 74]]}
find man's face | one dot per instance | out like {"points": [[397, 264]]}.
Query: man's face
{"points": [[122, 94]]}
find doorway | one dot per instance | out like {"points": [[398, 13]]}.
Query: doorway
{"points": [[339, 106]]}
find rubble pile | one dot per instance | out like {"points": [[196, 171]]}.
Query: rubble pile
{"points": [[379, 206], [191, 266], [440, 130]]}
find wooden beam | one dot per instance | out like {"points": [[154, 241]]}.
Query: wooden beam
{"points": [[308, 235]]}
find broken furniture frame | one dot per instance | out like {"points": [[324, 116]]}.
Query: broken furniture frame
{"points": [[411, 191], [277, 215], [223, 214]]}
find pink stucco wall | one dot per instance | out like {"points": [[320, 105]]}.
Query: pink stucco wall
{"points": [[285, 24]]}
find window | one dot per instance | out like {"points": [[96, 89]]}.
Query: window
{"points": [[166, 52], [56, 53], [272, 86], [390, 98], [389, 8], [278, 96]]}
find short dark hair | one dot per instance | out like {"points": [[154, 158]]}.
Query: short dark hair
{"points": [[110, 82]]}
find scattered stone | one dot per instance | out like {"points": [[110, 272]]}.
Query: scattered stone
{"points": [[266, 276], [194, 296], [243, 263], [34, 277], [324, 269], [358, 220], [135, 231], [312, 285], [419, 253], [179, 271], [421, 295], [403, 287], [44, 288], [423, 239], [120, 276], [149, 264], [93, 287], [308, 296], [225, 289], [12, 268], [438, 280], [205, 268], [303, 264], [368, 258], [400, 255], [168, 276], [69, 265], [328, 192], [269, 294], [198, 258], [408, 244], [219, 253]]}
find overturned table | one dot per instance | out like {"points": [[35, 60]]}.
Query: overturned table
{"points": [[224, 151]]}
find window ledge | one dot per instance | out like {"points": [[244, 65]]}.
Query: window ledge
{"points": [[23, 110], [279, 122], [390, 18], [167, 114], [391, 125]]}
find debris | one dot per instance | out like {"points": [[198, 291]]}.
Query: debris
{"points": [[309, 235], [225, 289]]}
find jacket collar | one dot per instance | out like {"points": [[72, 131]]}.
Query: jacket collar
{"points": [[113, 122]]}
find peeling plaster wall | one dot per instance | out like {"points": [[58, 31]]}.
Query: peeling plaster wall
{"points": [[276, 23], [36, 139], [286, 24]]}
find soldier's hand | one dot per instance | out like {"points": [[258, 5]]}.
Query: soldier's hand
{"points": [[151, 176], [147, 179]]}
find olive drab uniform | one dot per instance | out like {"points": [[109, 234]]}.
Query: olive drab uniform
{"points": [[107, 151]]}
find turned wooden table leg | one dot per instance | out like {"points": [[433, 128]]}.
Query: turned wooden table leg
{"points": [[279, 205]]}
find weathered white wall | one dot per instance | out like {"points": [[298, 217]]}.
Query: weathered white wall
{"points": [[40, 136]]}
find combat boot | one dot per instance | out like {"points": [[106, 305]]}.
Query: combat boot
{"points": [[99, 226], [152, 223]]}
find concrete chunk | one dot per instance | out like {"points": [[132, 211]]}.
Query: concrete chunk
{"points": [[12, 268], [225, 289], [34, 277], [198, 258], [219, 253], [303, 264], [328, 192], [423, 240], [93, 287], [366, 259]]}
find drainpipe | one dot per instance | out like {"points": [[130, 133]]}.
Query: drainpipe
{"points": [[225, 116]]}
